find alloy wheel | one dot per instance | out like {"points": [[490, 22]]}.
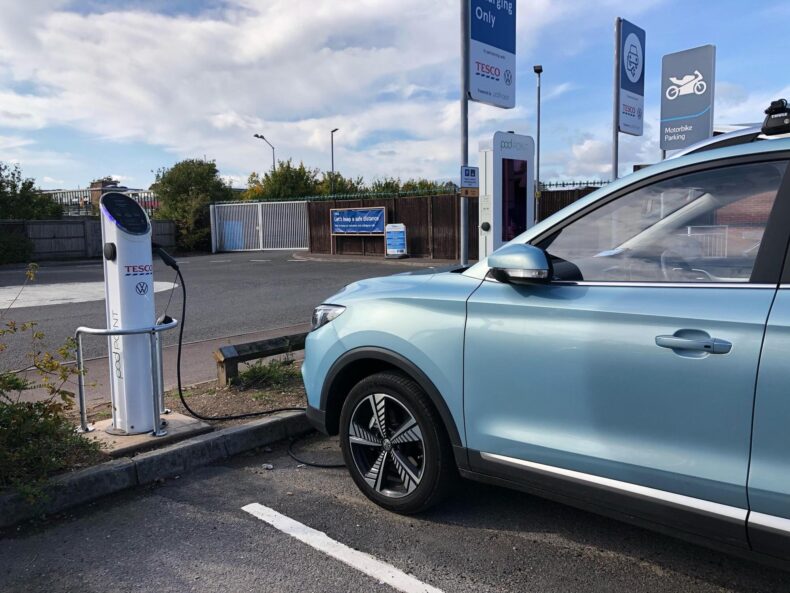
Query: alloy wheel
{"points": [[387, 445]]}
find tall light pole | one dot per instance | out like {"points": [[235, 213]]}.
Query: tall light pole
{"points": [[332, 143], [261, 136], [538, 69]]}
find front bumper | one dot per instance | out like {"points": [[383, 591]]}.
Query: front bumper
{"points": [[317, 418]]}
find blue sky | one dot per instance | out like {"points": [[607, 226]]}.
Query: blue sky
{"points": [[100, 87]]}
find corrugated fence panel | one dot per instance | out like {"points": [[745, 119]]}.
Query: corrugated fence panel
{"points": [[237, 227], [284, 225], [261, 225]]}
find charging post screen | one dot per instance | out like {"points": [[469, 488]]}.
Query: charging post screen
{"points": [[514, 198]]}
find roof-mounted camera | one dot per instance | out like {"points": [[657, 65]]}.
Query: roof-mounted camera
{"points": [[777, 118]]}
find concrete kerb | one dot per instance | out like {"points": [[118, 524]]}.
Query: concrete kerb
{"points": [[89, 484]]}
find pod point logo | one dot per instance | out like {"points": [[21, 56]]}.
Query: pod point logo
{"points": [[142, 288]]}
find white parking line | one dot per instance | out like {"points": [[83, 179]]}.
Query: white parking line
{"points": [[260, 260], [381, 571], [218, 261]]}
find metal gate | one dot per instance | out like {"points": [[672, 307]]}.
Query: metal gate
{"points": [[259, 225]]}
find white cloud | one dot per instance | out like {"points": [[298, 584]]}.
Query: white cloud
{"points": [[195, 85], [121, 178]]}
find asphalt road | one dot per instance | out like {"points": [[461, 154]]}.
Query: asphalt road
{"points": [[191, 534], [227, 294]]}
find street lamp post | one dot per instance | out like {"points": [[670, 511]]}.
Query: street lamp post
{"points": [[332, 143], [538, 69], [262, 137]]}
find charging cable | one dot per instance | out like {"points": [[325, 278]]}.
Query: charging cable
{"points": [[171, 262]]}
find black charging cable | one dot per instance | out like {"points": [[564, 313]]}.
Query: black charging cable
{"points": [[170, 261]]}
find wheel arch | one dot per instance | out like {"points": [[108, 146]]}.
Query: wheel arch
{"points": [[356, 364]]}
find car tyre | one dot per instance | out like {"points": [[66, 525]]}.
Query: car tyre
{"points": [[395, 445]]}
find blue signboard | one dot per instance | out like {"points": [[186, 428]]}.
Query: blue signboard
{"points": [[358, 221], [494, 24], [492, 52], [395, 240], [632, 79]]}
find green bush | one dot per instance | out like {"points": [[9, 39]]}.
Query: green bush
{"points": [[37, 441], [15, 248], [275, 373]]}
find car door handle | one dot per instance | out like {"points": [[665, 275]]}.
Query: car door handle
{"points": [[710, 345]]}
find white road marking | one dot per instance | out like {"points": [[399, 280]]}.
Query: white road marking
{"points": [[260, 260], [297, 260], [381, 571], [62, 293], [218, 261]]}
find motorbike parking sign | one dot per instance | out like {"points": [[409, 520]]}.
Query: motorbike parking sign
{"points": [[687, 92]]}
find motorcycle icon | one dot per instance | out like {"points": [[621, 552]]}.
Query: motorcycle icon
{"points": [[691, 83]]}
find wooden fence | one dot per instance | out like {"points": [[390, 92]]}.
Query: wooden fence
{"points": [[432, 223], [72, 239], [431, 226], [554, 200]]}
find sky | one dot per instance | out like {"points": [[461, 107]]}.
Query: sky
{"points": [[90, 88]]}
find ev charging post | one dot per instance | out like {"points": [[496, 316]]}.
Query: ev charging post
{"points": [[507, 190], [129, 302]]}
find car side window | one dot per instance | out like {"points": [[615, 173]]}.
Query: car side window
{"points": [[698, 227]]}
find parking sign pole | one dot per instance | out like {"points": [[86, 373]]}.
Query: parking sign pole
{"points": [[618, 23], [464, 204]]}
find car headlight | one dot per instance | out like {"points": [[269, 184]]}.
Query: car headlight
{"points": [[323, 314]]}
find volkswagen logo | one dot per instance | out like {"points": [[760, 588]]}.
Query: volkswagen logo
{"points": [[508, 77], [142, 288]]}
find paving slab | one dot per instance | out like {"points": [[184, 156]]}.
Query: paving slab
{"points": [[179, 427]]}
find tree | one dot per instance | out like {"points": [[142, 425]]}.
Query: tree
{"points": [[285, 182], [419, 185], [19, 199], [185, 191], [335, 183], [385, 185]]}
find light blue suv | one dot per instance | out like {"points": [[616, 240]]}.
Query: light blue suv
{"points": [[629, 355]]}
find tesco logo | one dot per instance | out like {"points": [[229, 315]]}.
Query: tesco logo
{"points": [[488, 69], [139, 269]]}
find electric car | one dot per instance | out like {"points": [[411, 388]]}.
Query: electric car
{"points": [[628, 355]]}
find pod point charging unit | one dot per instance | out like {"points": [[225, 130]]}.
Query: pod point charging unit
{"points": [[507, 190], [135, 355]]}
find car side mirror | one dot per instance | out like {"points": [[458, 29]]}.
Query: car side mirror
{"points": [[520, 263]]}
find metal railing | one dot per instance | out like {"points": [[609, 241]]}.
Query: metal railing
{"points": [[157, 376], [573, 183]]}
